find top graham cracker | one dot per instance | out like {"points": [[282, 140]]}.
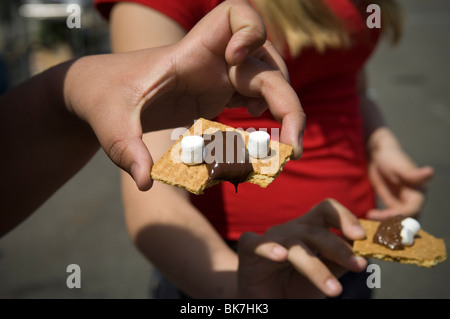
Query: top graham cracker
{"points": [[170, 170], [427, 250]]}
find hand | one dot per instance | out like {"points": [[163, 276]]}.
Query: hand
{"points": [[223, 61], [399, 183], [301, 258]]}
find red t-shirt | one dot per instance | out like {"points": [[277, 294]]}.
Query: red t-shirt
{"points": [[333, 164]]}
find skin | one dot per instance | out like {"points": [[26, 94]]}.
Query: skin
{"points": [[54, 123], [397, 180], [165, 211], [200, 263], [301, 258]]}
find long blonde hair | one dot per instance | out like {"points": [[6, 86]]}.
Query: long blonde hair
{"points": [[295, 24]]}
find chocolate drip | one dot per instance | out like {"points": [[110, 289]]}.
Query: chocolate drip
{"points": [[227, 157], [388, 233]]}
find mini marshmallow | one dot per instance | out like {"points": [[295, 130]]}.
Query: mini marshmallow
{"points": [[410, 227], [258, 144], [192, 148], [411, 224], [407, 237]]}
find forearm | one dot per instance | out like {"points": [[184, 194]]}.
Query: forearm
{"points": [[43, 144], [175, 237], [170, 232], [376, 131]]}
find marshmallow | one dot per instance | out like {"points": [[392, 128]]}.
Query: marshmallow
{"points": [[258, 144], [410, 227], [407, 237], [192, 148], [411, 224]]}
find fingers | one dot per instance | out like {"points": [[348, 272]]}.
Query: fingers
{"points": [[269, 55], [233, 28], [248, 36], [256, 79], [308, 264], [256, 70], [381, 214], [410, 204], [302, 259], [331, 213], [318, 241], [404, 197], [334, 248], [304, 253], [293, 121], [285, 107], [418, 176], [248, 32], [253, 244]]}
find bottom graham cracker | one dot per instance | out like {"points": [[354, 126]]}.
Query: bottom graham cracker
{"points": [[427, 250]]}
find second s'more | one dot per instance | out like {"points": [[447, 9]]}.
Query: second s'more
{"points": [[400, 239]]}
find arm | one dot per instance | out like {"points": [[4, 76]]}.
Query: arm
{"points": [[376, 131], [163, 223], [122, 95], [175, 236], [43, 145], [397, 180]]}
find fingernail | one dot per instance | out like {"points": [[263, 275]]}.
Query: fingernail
{"points": [[240, 55], [278, 252], [358, 231], [359, 261], [333, 285]]}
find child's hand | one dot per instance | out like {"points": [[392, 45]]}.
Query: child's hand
{"points": [[223, 61], [301, 258], [397, 180]]}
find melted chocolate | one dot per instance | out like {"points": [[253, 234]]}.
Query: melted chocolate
{"points": [[388, 233], [227, 157]]}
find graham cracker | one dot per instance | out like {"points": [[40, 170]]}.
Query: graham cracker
{"points": [[427, 250], [170, 170]]}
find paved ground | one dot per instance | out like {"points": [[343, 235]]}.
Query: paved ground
{"points": [[83, 222], [412, 84]]}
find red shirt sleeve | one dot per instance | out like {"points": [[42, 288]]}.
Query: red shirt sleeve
{"points": [[186, 13]]}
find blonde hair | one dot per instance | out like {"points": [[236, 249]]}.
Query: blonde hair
{"points": [[296, 24]]}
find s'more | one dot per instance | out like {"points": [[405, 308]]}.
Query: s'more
{"points": [[400, 239], [210, 152]]}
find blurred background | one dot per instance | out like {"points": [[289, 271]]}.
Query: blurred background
{"points": [[34, 36], [83, 222]]}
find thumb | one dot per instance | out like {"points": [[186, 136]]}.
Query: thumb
{"points": [[124, 146], [248, 32]]}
